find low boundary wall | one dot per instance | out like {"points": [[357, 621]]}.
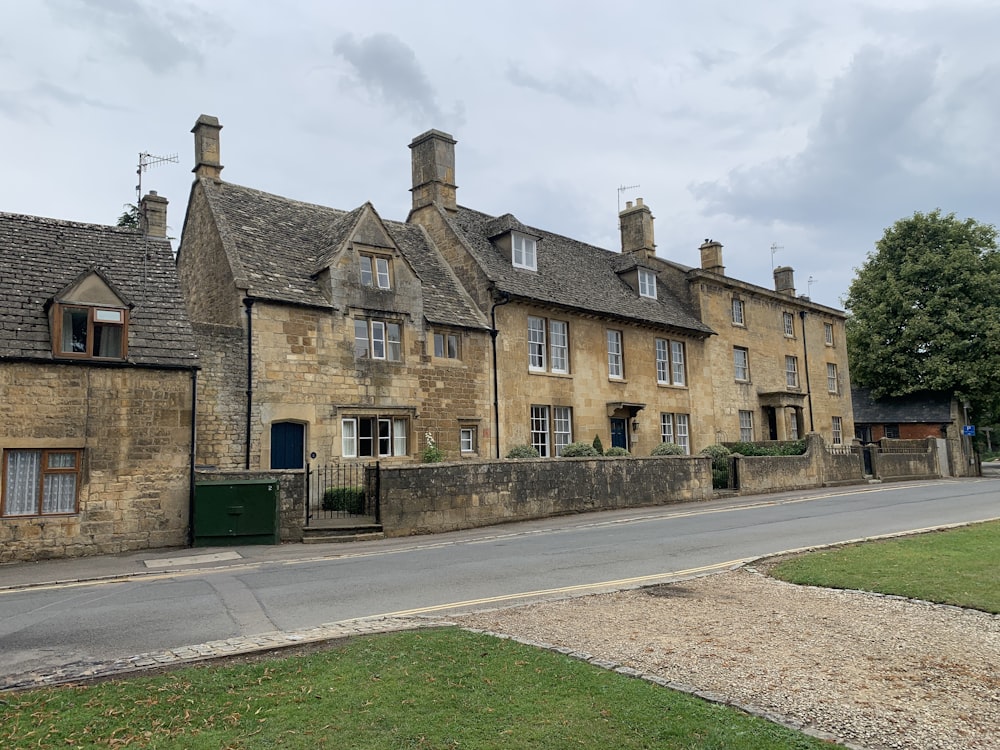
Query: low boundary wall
{"points": [[431, 498]]}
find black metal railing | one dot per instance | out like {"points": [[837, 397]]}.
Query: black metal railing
{"points": [[342, 491]]}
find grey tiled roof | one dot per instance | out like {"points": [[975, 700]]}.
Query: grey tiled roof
{"points": [[40, 257], [277, 246], [571, 274], [921, 408]]}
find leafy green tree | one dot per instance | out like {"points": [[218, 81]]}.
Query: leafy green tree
{"points": [[130, 217], [925, 311]]}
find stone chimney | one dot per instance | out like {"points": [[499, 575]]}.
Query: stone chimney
{"points": [[206, 147], [636, 223], [784, 280], [153, 215], [433, 160], [711, 257]]}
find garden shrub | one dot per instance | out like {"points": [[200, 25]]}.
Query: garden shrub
{"points": [[667, 449], [432, 454], [522, 451], [598, 445], [575, 450], [345, 499], [615, 450], [784, 448], [720, 465]]}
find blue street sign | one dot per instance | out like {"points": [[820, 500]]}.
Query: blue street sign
{"points": [[969, 430]]}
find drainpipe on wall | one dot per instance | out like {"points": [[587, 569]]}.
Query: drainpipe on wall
{"points": [[248, 301], [504, 299], [805, 358], [191, 487]]}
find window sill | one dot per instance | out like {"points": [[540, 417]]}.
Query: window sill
{"points": [[550, 374], [673, 386]]}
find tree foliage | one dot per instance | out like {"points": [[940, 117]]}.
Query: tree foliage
{"points": [[925, 311], [130, 217]]}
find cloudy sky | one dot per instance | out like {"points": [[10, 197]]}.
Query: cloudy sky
{"points": [[797, 124]]}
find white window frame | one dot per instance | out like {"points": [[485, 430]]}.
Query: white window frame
{"points": [[837, 425], [400, 428], [388, 436], [537, 358], [616, 368], [524, 251], [793, 433], [378, 339], [677, 359], [662, 361], [446, 346], [349, 437], [791, 371], [540, 430], [467, 439], [828, 333], [683, 437], [562, 428], [832, 380], [666, 427], [374, 271], [746, 426], [739, 312], [741, 364], [559, 345], [788, 322], [647, 283]]}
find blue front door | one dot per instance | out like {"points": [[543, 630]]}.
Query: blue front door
{"points": [[287, 445], [619, 438]]}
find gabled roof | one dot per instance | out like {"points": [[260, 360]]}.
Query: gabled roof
{"points": [[570, 274], [277, 246], [39, 258], [918, 408]]}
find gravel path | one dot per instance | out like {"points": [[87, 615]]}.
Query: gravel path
{"points": [[874, 671]]}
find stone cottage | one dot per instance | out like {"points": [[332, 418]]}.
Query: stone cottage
{"points": [[97, 376]]}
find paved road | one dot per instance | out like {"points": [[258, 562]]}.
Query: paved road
{"points": [[251, 590]]}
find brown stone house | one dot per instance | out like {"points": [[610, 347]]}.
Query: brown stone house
{"points": [[589, 342], [779, 365], [97, 380], [326, 335]]}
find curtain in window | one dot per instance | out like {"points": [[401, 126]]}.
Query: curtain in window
{"points": [[108, 340], [23, 471], [59, 493]]}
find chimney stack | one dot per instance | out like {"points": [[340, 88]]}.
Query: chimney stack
{"points": [[636, 223], [711, 257], [206, 147], [784, 280], [433, 161], [153, 215]]}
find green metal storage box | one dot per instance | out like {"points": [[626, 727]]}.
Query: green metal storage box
{"points": [[229, 513]]}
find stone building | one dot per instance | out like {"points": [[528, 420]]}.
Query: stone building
{"points": [[590, 342], [97, 376], [634, 348], [327, 335]]}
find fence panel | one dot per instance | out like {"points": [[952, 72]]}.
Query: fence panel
{"points": [[342, 491]]}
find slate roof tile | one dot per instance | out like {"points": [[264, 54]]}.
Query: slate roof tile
{"points": [[919, 408], [40, 257]]}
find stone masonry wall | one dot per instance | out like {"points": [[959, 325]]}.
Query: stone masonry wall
{"points": [[434, 498], [133, 426]]}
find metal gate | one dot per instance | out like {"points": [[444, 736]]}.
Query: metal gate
{"points": [[347, 491]]}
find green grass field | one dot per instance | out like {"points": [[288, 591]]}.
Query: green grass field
{"points": [[447, 688]]}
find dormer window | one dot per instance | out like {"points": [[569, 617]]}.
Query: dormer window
{"points": [[647, 283], [96, 332], [375, 271], [523, 251]]}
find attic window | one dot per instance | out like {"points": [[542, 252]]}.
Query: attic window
{"points": [[523, 251], [375, 271], [88, 332], [647, 283]]}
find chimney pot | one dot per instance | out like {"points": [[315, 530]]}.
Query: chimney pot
{"points": [[206, 147], [711, 256], [636, 223], [784, 280], [432, 157], [153, 215]]}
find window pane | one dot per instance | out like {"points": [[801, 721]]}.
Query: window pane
{"points": [[366, 270], [108, 316], [438, 345], [682, 432], [399, 430], [382, 267], [746, 426], [366, 437], [741, 369], [348, 438], [738, 311], [59, 493], [661, 361], [107, 341], [467, 440], [792, 372], [828, 333], [677, 357], [666, 428], [560, 346], [647, 283], [61, 460], [452, 346], [540, 429], [831, 378], [385, 437], [74, 331], [21, 483], [788, 322], [536, 343], [395, 350], [378, 339], [837, 431], [562, 427], [360, 338], [614, 354]]}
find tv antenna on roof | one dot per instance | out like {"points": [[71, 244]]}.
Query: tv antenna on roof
{"points": [[147, 160], [622, 189], [775, 247], [809, 287]]}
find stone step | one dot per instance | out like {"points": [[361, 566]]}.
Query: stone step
{"points": [[361, 533]]}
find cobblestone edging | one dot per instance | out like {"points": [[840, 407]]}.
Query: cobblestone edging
{"points": [[83, 671]]}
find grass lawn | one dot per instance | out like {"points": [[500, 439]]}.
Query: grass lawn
{"points": [[959, 567], [439, 688]]}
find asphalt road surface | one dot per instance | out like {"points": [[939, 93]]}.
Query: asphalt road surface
{"points": [[298, 586]]}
